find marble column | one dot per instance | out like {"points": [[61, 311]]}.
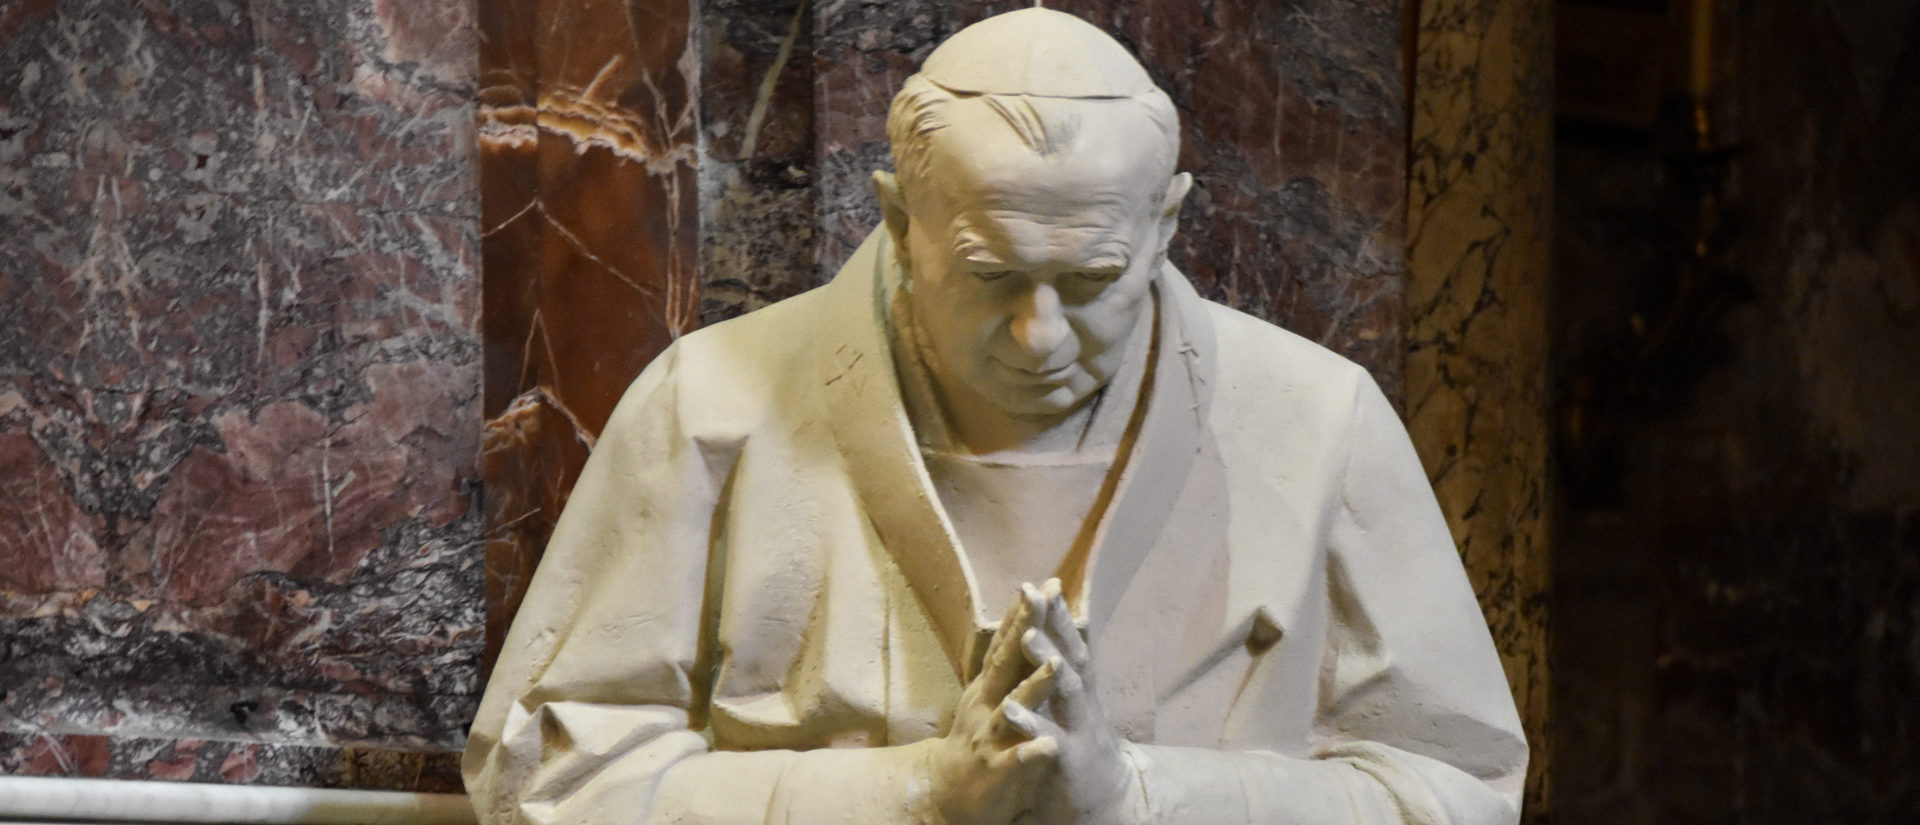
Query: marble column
{"points": [[239, 361], [590, 208], [1479, 207]]}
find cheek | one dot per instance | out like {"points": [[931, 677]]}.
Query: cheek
{"points": [[958, 319], [1103, 327]]}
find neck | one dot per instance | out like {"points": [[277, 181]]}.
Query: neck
{"points": [[984, 429]]}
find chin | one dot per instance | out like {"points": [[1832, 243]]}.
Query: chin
{"points": [[1036, 402]]}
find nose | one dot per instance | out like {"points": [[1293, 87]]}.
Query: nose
{"points": [[1039, 326]]}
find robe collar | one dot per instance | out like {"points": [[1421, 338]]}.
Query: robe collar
{"points": [[876, 440]]}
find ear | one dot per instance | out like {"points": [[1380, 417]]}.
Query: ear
{"points": [[893, 208], [1177, 189]]}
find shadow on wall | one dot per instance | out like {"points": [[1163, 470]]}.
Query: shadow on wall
{"points": [[1737, 605]]}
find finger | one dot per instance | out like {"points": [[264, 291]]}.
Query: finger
{"points": [[1035, 599], [1071, 703], [1004, 663], [1025, 756], [1058, 619], [1039, 647], [1051, 588], [1068, 684], [1035, 728], [1016, 723], [1044, 749], [1036, 688]]}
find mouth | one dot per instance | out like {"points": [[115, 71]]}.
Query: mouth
{"points": [[1043, 375]]}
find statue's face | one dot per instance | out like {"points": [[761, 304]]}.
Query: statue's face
{"points": [[1029, 274]]}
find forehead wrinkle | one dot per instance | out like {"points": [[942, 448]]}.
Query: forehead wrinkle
{"points": [[1088, 243], [1109, 219], [1104, 232], [1026, 197], [1043, 189]]}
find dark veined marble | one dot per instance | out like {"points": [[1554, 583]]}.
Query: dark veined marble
{"points": [[1478, 330], [221, 761], [239, 372], [757, 202]]}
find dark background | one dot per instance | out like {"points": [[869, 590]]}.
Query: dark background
{"points": [[1737, 348]]}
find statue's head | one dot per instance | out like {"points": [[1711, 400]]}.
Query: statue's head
{"points": [[1032, 205]]}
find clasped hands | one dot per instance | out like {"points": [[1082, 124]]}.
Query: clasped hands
{"points": [[1030, 741]]}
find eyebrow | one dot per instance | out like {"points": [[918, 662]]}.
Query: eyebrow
{"points": [[970, 247], [1110, 254]]}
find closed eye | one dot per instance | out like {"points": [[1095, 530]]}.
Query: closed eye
{"points": [[992, 274], [1097, 277]]}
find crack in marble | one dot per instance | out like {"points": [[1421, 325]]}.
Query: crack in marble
{"points": [[587, 251], [1477, 318], [768, 82]]}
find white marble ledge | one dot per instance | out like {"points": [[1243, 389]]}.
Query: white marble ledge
{"points": [[68, 801]]}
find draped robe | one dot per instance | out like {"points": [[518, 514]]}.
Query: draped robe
{"points": [[754, 597]]}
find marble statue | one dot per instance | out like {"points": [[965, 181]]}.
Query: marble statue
{"points": [[1004, 524]]}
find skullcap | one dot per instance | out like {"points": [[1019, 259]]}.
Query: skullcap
{"points": [[1038, 52]]}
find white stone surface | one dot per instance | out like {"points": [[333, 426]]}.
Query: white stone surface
{"points": [[27, 799]]}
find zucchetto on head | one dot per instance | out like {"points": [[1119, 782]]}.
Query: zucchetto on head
{"points": [[1036, 52]]}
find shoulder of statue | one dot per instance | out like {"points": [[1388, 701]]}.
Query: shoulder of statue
{"points": [[768, 332], [1254, 347], [1278, 393], [742, 369]]}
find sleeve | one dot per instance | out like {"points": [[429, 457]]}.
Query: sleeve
{"points": [[1415, 722], [591, 711]]}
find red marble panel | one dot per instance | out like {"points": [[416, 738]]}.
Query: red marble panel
{"points": [[52, 538], [239, 362], [591, 206], [532, 454]]}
